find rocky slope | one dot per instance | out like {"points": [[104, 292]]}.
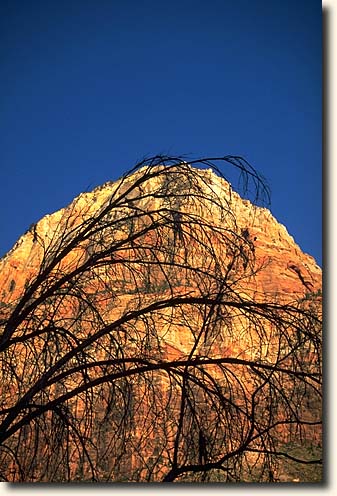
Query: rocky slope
{"points": [[282, 269]]}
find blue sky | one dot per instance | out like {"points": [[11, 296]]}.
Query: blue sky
{"points": [[90, 87]]}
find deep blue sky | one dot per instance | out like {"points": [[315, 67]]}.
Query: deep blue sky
{"points": [[90, 87]]}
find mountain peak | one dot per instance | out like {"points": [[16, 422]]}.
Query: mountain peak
{"points": [[281, 268]]}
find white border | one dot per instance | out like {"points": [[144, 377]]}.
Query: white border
{"points": [[330, 346]]}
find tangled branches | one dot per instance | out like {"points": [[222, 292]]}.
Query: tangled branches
{"points": [[121, 358]]}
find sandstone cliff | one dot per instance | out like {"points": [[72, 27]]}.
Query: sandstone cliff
{"points": [[282, 269]]}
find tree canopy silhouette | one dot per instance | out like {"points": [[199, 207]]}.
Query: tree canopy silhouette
{"points": [[117, 358]]}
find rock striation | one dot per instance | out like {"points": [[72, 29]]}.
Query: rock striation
{"points": [[282, 269]]}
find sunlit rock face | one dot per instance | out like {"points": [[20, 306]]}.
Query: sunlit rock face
{"points": [[282, 270]]}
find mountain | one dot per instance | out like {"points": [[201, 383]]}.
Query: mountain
{"points": [[108, 303]]}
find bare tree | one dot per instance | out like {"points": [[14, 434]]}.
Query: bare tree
{"points": [[117, 359]]}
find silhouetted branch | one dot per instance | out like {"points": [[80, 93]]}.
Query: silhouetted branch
{"points": [[133, 353]]}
